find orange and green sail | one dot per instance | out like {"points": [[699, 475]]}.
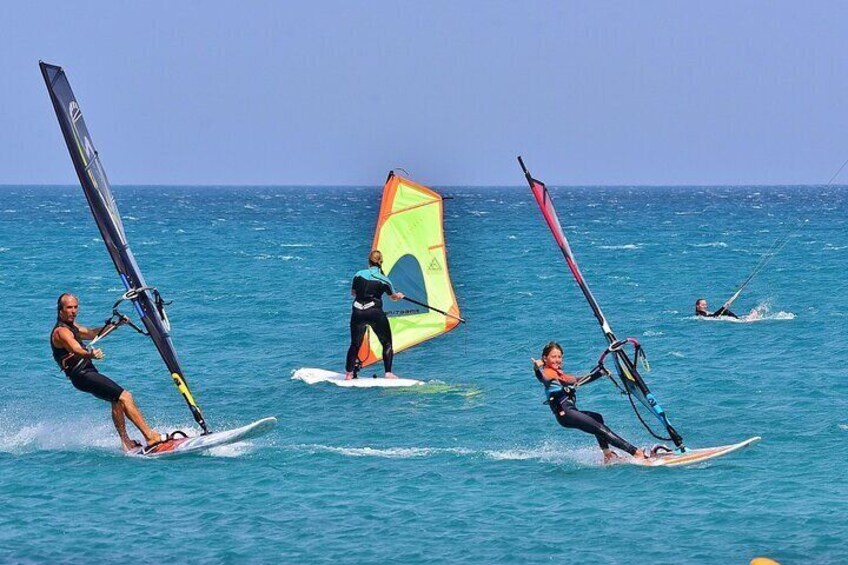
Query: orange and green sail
{"points": [[411, 237]]}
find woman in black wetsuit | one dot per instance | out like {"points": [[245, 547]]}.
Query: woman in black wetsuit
{"points": [[702, 309], [368, 288], [560, 395]]}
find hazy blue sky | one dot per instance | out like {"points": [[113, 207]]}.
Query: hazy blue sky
{"points": [[206, 92]]}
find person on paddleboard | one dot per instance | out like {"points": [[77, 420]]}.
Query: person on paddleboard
{"points": [[561, 397], [70, 353], [367, 288], [702, 309]]}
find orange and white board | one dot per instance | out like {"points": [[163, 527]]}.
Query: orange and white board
{"points": [[693, 456]]}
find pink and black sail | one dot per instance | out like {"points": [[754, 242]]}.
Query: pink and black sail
{"points": [[628, 375]]}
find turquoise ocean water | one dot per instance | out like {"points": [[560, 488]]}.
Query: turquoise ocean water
{"points": [[472, 469]]}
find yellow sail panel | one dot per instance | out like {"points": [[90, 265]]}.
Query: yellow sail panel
{"points": [[411, 237]]}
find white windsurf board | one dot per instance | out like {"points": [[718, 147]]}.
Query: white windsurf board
{"points": [[194, 444], [691, 456], [313, 376]]}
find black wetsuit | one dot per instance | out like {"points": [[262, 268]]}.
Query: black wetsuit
{"points": [[368, 286], [717, 314], [82, 373], [562, 401]]}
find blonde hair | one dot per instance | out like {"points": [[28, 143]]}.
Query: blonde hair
{"points": [[375, 259]]}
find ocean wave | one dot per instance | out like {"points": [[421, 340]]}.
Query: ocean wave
{"points": [[711, 244], [267, 256], [55, 436], [628, 246], [387, 453], [88, 435], [547, 453]]}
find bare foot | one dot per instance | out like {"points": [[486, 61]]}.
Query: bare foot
{"points": [[610, 457], [155, 438], [391, 376], [348, 375], [129, 444]]}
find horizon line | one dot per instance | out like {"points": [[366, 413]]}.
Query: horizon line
{"points": [[324, 185]]}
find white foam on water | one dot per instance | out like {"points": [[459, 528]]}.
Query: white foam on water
{"points": [[81, 434], [547, 453], [628, 246], [230, 450], [712, 244], [57, 436], [387, 453]]}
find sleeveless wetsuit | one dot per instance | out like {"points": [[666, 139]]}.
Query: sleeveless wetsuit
{"points": [[83, 375], [369, 285], [563, 403]]}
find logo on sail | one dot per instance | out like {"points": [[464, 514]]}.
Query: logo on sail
{"points": [[434, 265], [73, 109]]}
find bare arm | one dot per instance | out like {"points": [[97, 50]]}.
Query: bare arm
{"points": [[87, 333], [397, 296]]}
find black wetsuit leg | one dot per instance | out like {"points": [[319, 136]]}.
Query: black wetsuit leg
{"points": [[379, 322], [90, 381], [381, 327], [358, 325], [592, 423]]}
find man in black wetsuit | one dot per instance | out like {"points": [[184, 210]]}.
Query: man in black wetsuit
{"points": [[66, 341], [701, 309], [367, 288]]}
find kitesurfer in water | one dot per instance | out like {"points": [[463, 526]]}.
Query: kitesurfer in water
{"points": [[701, 309], [367, 288], [560, 395], [74, 359]]}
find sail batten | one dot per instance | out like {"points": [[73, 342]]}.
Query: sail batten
{"points": [[104, 209], [410, 235]]}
